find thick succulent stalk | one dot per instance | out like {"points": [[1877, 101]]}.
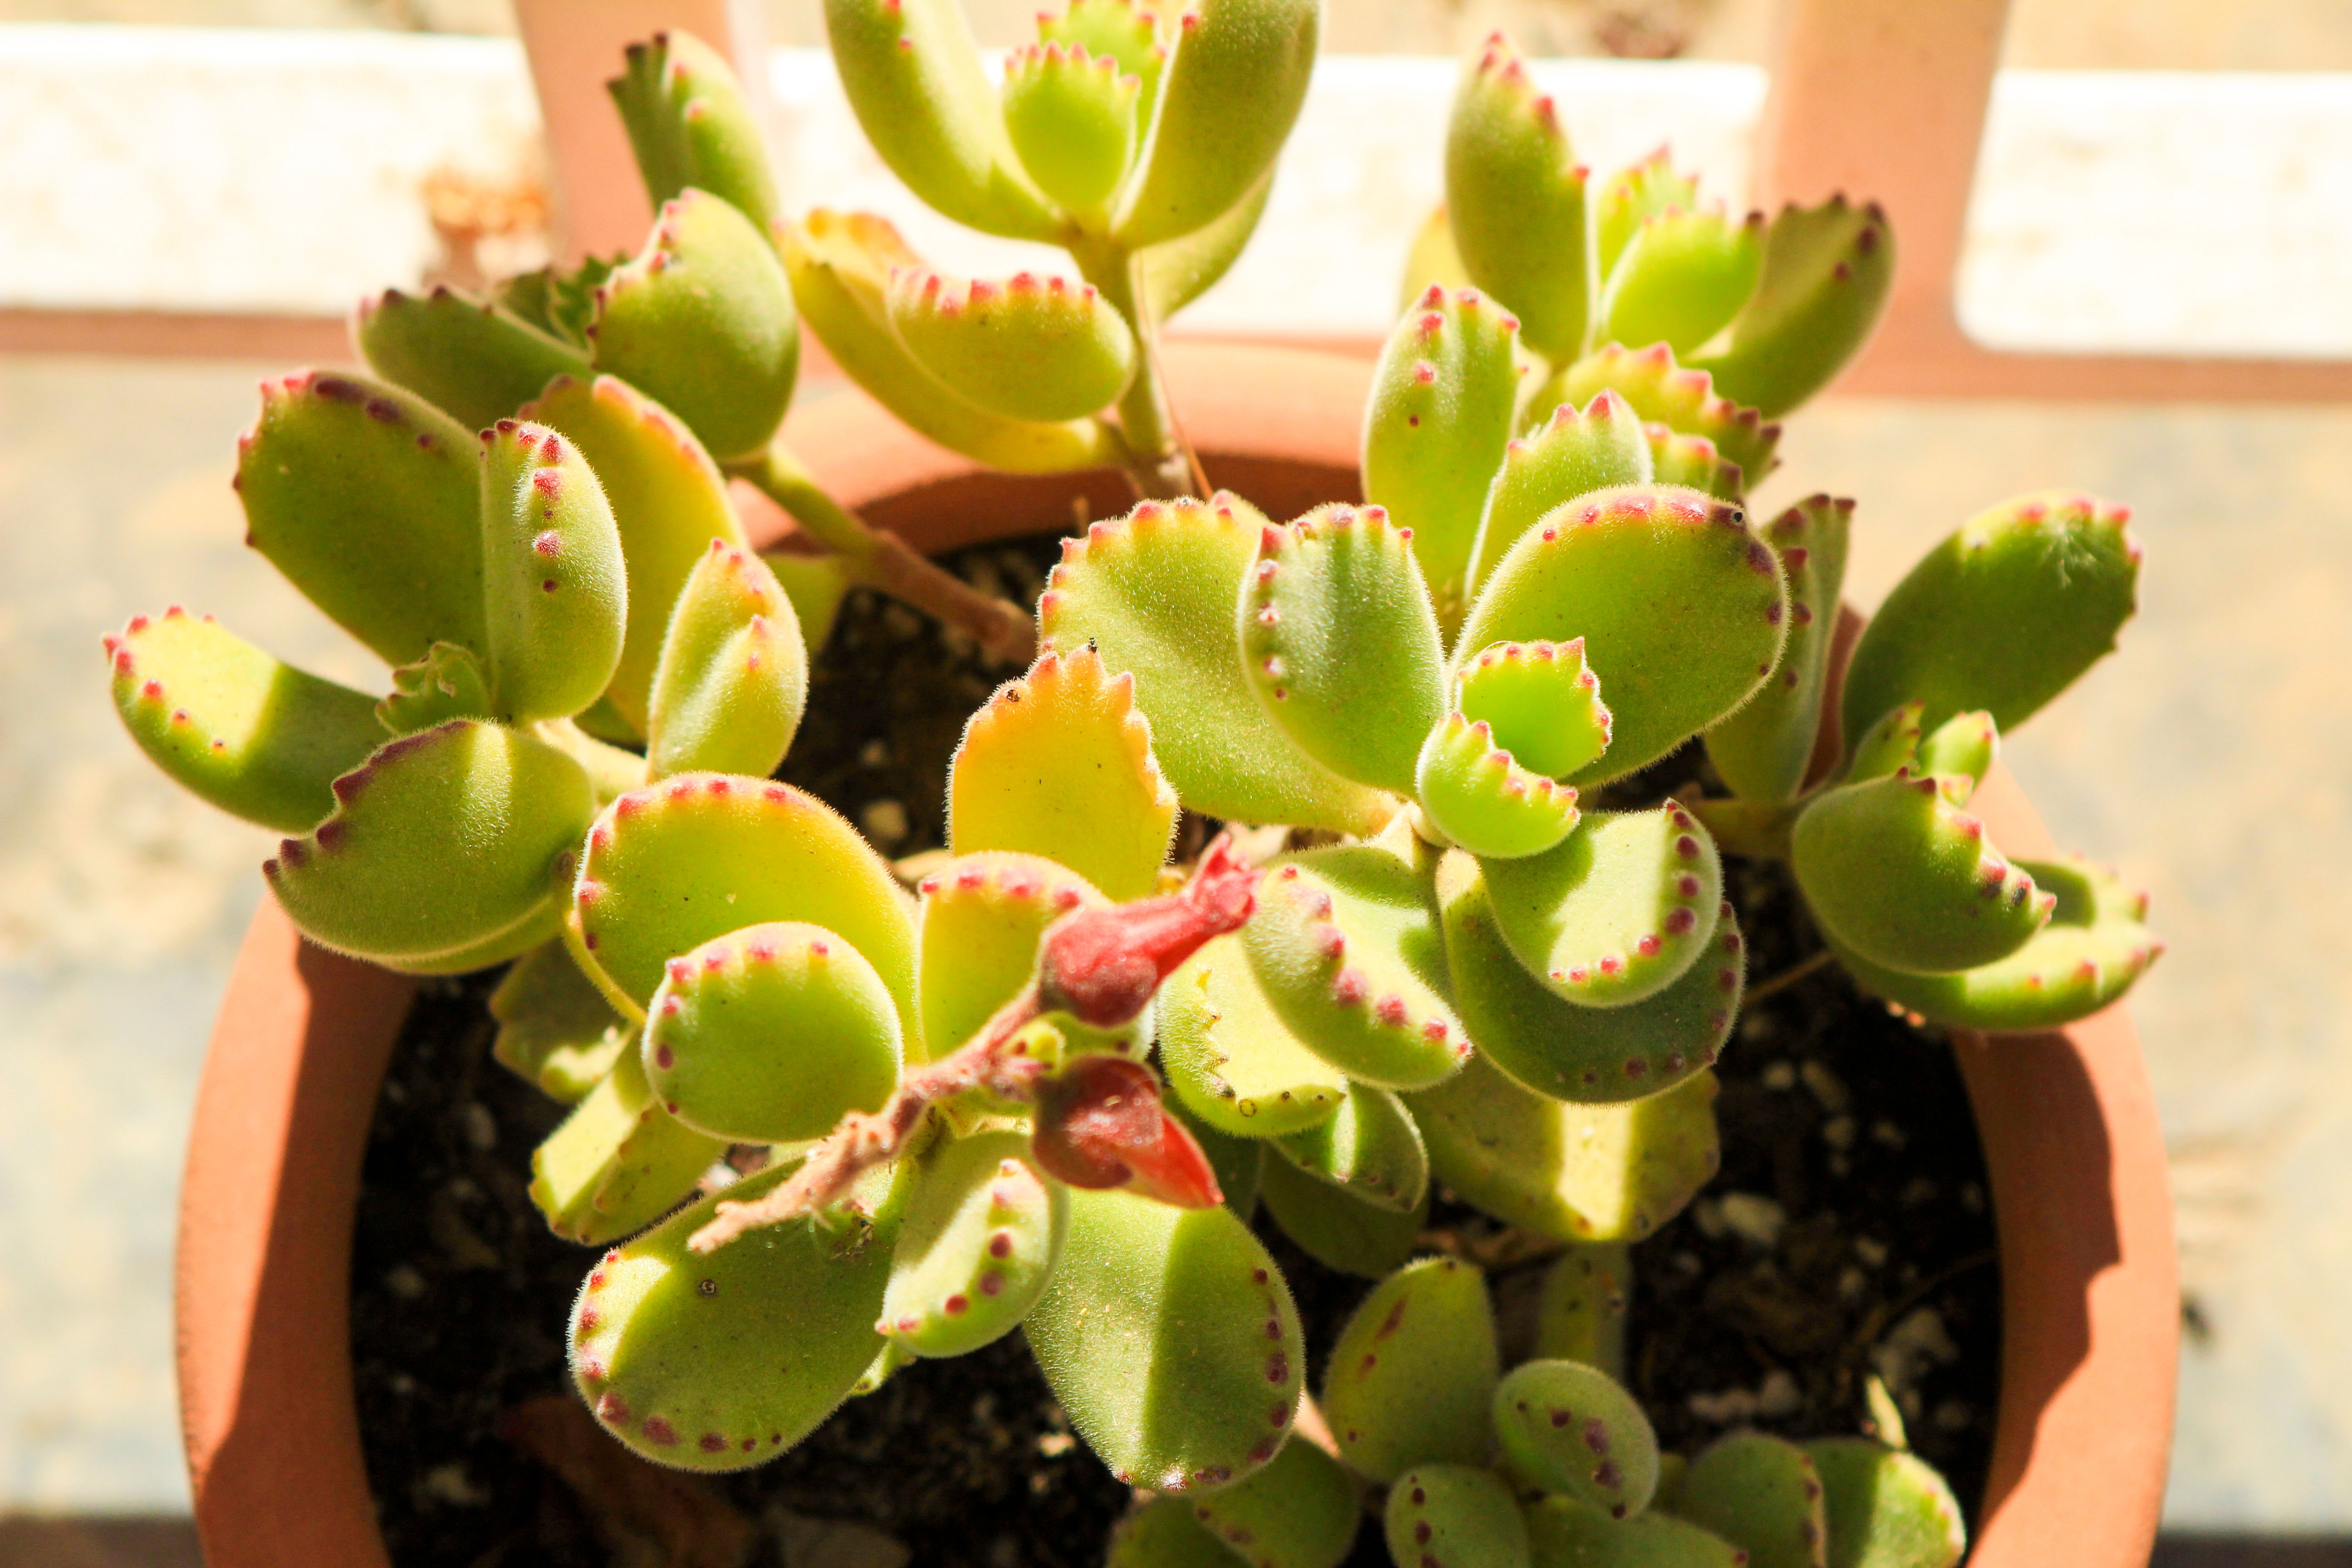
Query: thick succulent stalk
{"points": [[1160, 464]]}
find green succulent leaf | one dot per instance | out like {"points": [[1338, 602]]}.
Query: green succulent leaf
{"points": [[1369, 1148], [1572, 1052], [1825, 279], [1455, 1516], [1680, 278], [689, 124], [448, 683], [675, 1352], [2094, 948], [1618, 913], [1029, 348], [1299, 1512], [1960, 753], [1760, 1493], [619, 1162], [1889, 746], [1074, 120], [1333, 608], [1763, 749], [1436, 426], [1570, 454], [1334, 1226], [733, 676], [1570, 1428], [1541, 701], [840, 266], [467, 356], [983, 1228], [1234, 1160], [1898, 874], [1231, 1060], [1433, 259], [1163, 1533], [1478, 794], [1233, 87], [1412, 1373], [1581, 1315], [887, 1361], [668, 501], [1516, 198], [702, 321], [1177, 271], [1679, 459], [1059, 764], [1636, 192], [233, 726], [2002, 615], [1565, 1532], [555, 1028], [1170, 1338], [672, 864], [1682, 398], [913, 75], [560, 301], [983, 918], [1574, 1173], [1155, 592], [444, 852], [1117, 31], [1885, 1508], [368, 498], [1679, 605], [816, 584], [555, 585], [1347, 945]]}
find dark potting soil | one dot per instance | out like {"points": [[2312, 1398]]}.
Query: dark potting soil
{"points": [[1847, 1240]]}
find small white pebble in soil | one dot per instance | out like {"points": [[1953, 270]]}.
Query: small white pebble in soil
{"points": [[1841, 1166], [1837, 1132], [450, 1484], [1778, 1394], [481, 1127], [958, 642], [874, 755], [1724, 1408], [1004, 1552], [1754, 1218], [401, 1384], [1778, 1077], [1851, 1282], [1953, 1415], [1914, 1345], [1917, 1191], [405, 1282], [1053, 1445], [395, 1092], [1688, 1263], [885, 821], [1886, 1132], [901, 623], [1872, 1253], [1973, 1197], [1755, 1026], [1826, 1087], [1707, 1215]]}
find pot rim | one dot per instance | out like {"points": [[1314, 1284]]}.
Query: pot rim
{"points": [[2073, 1152]]}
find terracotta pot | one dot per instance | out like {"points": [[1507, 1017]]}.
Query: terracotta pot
{"points": [[2091, 1302]]}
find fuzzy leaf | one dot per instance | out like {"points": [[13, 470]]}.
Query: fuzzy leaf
{"points": [[1885, 1508], [369, 499], [689, 124], [1369, 1148], [1580, 1316], [1476, 794], [1074, 120], [1163, 1533], [1679, 459], [1637, 192], [1334, 1226], [1345, 943], [672, 864], [840, 266], [2095, 947], [983, 917], [1569, 454], [1155, 591], [1569, 1428], [1333, 608], [1114, 30], [233, 726], [1455, 1516], [1618, 913], [2002, 615], [1233, 1160], [1567, 1533], [444, 853], [555, 1028], [1059, 764], [1763, 749], [1177, 271], [619, 1162], [1412, 1373], [1762, 1494], [668, 501], [1027, 348], [1169, 1337], [1679, 605], [1681, 276], [463, 355], [1435, 425], [554, 586], [770, 1034], [702, 321], [733, 676], [982, 1231], [1681, 398], [448, 683], [1231, 90], [1574, 1173], [1540, 700], [1516, 195], [1231, 1060], [1904, 877], [1590, 1055], [1960, 753], [1300, 1511], [1890, 744], [1433, 259], [1825, 279], [676, 1353]]}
